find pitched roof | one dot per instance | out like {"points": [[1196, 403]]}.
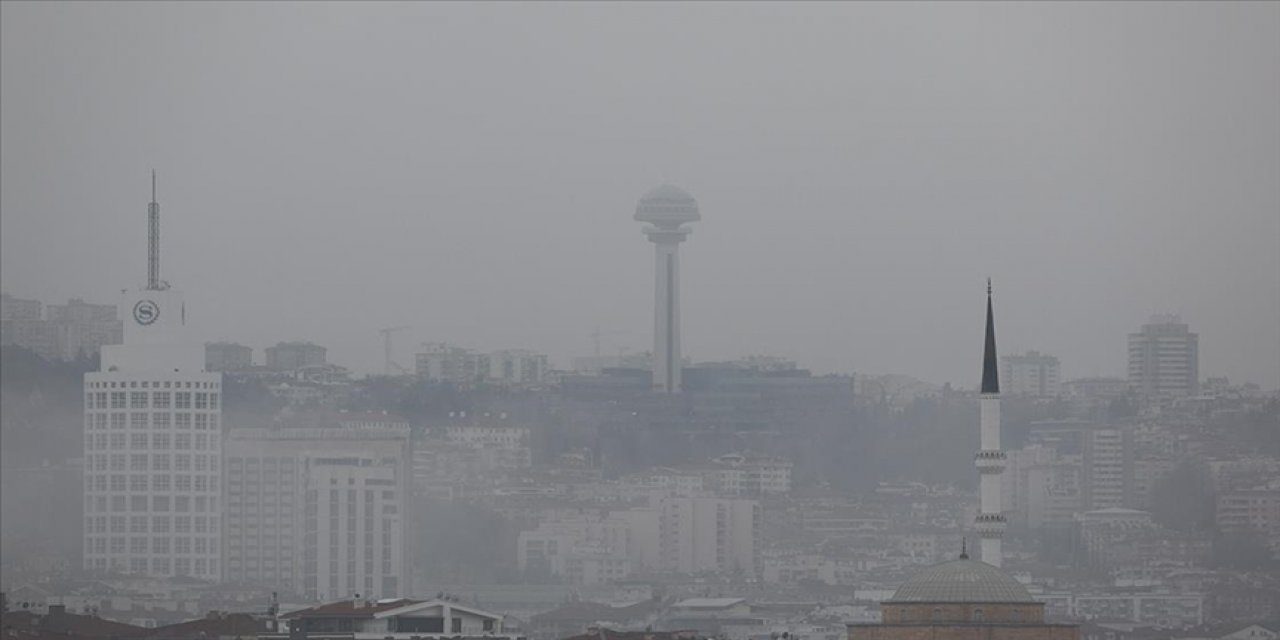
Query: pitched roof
{"points": [[210, 627], [347, 609]]}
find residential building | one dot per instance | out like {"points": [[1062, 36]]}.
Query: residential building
{"points": [[291, 356], [708, 534], [227, 356], [393, 619], [1164, 358], [319, 511], [1031, 374]]}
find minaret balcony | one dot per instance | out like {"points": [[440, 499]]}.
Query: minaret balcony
{"points": [[990, 524], [990, 461]]}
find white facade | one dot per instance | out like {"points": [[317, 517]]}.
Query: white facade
{"points": [[318, 511], [153, 449], [708, 534]]}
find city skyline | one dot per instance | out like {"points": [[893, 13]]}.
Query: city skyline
{"points": [[851, 215]]}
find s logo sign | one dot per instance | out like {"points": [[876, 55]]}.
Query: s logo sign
{"points": [[145, 312]]}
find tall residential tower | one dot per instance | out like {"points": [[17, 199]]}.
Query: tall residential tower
{"points": [[1164, 358], [990, 459], [153, 461], [668, 210]]}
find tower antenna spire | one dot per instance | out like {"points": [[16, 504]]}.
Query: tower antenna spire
{"points": [[153, 239]]}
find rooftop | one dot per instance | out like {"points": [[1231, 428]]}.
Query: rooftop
{"points": [[961, 581]]}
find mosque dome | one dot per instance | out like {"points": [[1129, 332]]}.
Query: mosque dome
{"points": [[964, 580], [667, 205]]}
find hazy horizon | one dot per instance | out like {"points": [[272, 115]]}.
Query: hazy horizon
{"points": [[326, 170]]}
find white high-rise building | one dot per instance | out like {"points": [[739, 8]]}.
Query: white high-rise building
{"points": [[991, 459], [153, 449], [1164, 358], [318, 511], [668, 211]]}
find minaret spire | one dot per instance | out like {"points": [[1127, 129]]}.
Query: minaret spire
{"points": [[990, 459], [990, 377]]}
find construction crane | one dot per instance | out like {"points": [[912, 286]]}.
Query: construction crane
{"points": [[388, 363]]}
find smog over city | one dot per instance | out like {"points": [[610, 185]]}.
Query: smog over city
{"points": [[692, 321]]}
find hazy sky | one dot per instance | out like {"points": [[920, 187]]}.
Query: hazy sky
{"points": [[471, 169]]}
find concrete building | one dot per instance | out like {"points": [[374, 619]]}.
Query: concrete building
{"points": [[1106, 457], [227, 356], [81, 328], [442, 362], [990, 459], [1032, 374], [22, 325], [60, 331], [318, 511], [668, 211], [962, 600], [291, 356], [392, 619], [152, 446], [708, 534], [1164, 358]]}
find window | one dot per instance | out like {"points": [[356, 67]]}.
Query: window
{"points": [[117, 421], [160, 504], [160, 400], [978, 615], [160, 441], [117, 399], [160, 482], [202, 422], [138, 482], [160, 420], [182, 441], [138, 441], [182, 400], [160, 461], [457, 625], [138, 420], [117, 482], [202, 401], [182, 421], [117, 441], [182, 462], [160, 545], [937, 614], [138, 399], [213, 401], [88, 400]]}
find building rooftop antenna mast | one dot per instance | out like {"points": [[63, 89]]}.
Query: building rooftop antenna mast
{"points": [[153, 240]]}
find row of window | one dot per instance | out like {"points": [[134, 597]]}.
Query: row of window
{"points": [[158, 441], [160, 566], [158, 420], [141, 483], [147, 399], [159, 462], [144, 504], [145, 384], [151, 524], [186, 545]]}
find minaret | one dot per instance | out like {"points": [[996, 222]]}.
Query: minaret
{"points": [[990, 459], [667, 210]]}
